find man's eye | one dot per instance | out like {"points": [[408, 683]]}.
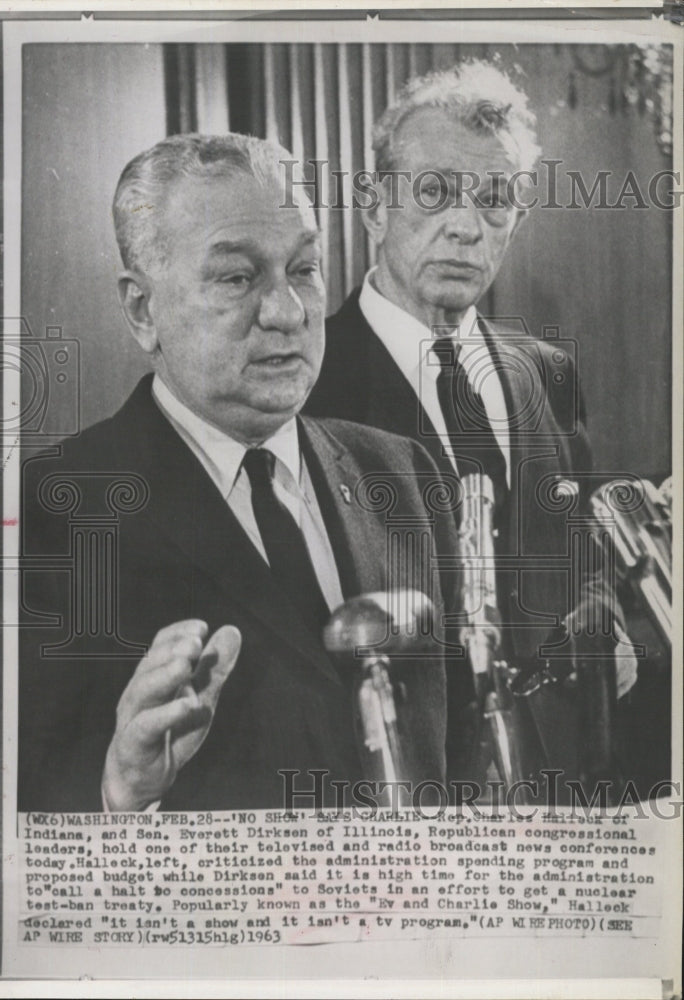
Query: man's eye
{"points": [[237, 281], [308, 270], [433, 194], [493, 199]]}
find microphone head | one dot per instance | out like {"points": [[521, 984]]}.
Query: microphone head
{"points": [[382, 624]]}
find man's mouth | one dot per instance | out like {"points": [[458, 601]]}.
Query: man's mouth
{"points": [[277, 361], [457, 266]]}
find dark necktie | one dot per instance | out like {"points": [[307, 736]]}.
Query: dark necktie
{"points": [[470, 433], [283, 541]]}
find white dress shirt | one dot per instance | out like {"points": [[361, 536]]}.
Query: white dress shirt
{"points": [[222, 457], [409, 343]]}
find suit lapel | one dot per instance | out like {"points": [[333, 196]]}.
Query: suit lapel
{"points": [[508, 369], [358, 551], [526, 396], [392, 403], [187, 507], [523, 379]]}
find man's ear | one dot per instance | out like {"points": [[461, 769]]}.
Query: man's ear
{"points": [[375, 217], [134, 296]]}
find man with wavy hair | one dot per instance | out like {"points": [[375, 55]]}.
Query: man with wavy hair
{"points": [[409, 352], [252, 524]]}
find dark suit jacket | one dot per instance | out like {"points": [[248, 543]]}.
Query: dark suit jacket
{"points": [[176, 551], [360, 381]]}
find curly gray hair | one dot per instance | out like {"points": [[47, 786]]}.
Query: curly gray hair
{"points": [[479, 95]]}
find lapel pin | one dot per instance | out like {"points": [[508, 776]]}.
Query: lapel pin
{"points": [[344, 490]]}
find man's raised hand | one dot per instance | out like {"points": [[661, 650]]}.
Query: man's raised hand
{"points": [[166, 711]]}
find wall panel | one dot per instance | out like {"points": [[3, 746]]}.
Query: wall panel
{"points": [[77, 138]]}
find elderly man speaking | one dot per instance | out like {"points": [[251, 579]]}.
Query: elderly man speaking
{"points": [[253, 527]]}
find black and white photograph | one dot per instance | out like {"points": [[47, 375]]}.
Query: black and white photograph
{"points": [[342, 503]]}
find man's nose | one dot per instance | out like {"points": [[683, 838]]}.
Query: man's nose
{"points": [[463, 222], [281, 308]]}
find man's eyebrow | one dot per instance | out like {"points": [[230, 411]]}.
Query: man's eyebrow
{"points": [[312, 236], [223, 248]]}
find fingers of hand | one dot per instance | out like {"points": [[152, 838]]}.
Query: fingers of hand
{"points": [[625, 667], [168, 665], [182, 715], [141, 764], [189, 626], [165, 641], [175, 688], [216, 663], [625, 662]]}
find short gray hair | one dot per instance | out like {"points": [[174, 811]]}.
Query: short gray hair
{"points": [[478, 94], [146, 181]]}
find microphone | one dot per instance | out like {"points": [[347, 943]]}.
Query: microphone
{"points": [[362, 635], [387, 623]]}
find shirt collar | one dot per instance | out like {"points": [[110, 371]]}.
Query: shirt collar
{"points": [[405, 337], [222, 453]]}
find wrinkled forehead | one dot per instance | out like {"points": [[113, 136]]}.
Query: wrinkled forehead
{"points": [[236, 200], [435, 138]]}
